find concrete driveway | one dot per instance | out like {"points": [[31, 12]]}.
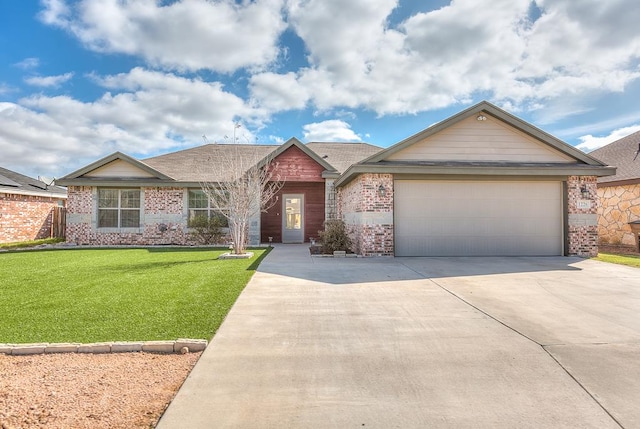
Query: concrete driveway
{"points": [[422, 343]]}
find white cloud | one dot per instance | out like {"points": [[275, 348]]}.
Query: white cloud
{"points": [[55, 12], [28, 63], [146, 112], [278, 92], [48, 81], [333, 130], [590, 143], [5, 89], [276, 139], [357, 58], [600, 126], [435, 59], [190, 35]]}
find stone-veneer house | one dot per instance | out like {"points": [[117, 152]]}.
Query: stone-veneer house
{"points": [[27, 207], [620, 194], [482, 182]]}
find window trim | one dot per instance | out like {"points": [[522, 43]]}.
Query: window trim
{"points": [[210, 210], [119, 209]]}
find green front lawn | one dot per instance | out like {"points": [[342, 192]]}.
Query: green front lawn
{"points": [[630, 260], [91, 295]]}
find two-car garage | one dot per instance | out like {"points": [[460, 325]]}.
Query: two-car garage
{"points": [[478, 218], [480, 183]]}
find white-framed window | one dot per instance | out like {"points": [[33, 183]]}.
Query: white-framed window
{"points": [[200, 205], [118, 208]]}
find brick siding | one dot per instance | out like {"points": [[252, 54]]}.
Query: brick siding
{"points": [[368, 214], [583, 222], [25, 217], [360, 204], [163, 219]]}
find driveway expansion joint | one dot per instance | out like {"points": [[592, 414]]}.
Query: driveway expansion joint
{"points": [[542, 346]]}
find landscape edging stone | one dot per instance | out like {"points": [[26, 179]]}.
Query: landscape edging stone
{"points": [[177, 346]]}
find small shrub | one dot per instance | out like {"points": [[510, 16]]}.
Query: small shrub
{"points": [[207, 230], [334, 237]]}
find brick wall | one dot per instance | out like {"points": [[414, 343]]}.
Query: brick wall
{"points": [[369, 217], [583, 221], [368, 214], [163, 219], [25, 217], [330, 200], [619, 205]]}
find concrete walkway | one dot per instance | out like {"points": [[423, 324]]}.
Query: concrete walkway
{"points": [[422, 342]]}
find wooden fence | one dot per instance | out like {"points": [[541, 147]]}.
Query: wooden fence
{"points": [[59, 222]]}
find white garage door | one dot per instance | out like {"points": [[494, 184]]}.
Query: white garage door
{"points": [[475, 218]]}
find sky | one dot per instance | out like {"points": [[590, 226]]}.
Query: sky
{"points": [[82, 79]]}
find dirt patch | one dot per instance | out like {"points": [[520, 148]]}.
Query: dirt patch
{"points": [[118, 390]]}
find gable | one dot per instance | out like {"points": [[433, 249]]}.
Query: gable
{"points": [[119, 168], [488, 140], [294, 165]]}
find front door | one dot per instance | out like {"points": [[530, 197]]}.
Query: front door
{"points": [[293, 219]]}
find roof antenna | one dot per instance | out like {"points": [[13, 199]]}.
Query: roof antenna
{"points": [[205, 139], [637, 152], [48, 181]]}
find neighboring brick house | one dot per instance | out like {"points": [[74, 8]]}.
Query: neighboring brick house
{"points": [[482, 182], [27, 207], [619, 194]]}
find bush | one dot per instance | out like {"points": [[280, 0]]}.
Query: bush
{"points": [[334, 237], [207, 230]]}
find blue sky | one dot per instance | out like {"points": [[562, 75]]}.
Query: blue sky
{"points": [[82, 79]]}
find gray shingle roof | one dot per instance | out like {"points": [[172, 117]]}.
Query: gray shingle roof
{"points": [[16, 183], [621, 154], [208, 163], [343, 155]]}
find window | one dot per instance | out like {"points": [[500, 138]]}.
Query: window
{"points": [[118, 208], [199, 205]]}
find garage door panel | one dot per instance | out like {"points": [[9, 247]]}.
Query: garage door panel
{"points": [[475, 218]]}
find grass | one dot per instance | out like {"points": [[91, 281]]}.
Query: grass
{"points": [[92, 295], [21, 244], [630, 260]]}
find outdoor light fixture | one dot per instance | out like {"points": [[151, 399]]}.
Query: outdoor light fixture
{"points": [[381, 190], [481, 117], [584, 191]]}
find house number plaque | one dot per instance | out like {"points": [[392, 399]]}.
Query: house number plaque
{"points": [[584, 204]]}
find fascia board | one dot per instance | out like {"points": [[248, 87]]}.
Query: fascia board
{"points": [[110, 158], [490, 109], [297, 143], [559, 170]]}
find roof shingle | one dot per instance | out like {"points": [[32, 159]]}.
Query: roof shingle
{"points": [[16, 183], [622, 154], [208, 163]]}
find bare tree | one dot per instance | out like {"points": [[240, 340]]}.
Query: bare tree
{"points": [[247, 187]]}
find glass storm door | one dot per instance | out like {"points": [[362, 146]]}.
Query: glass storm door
{"points": [[293, 219]]}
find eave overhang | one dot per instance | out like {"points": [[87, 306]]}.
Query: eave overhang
{"points": [[297, 143], [474, 169], [78, 178], [486, 108]]}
